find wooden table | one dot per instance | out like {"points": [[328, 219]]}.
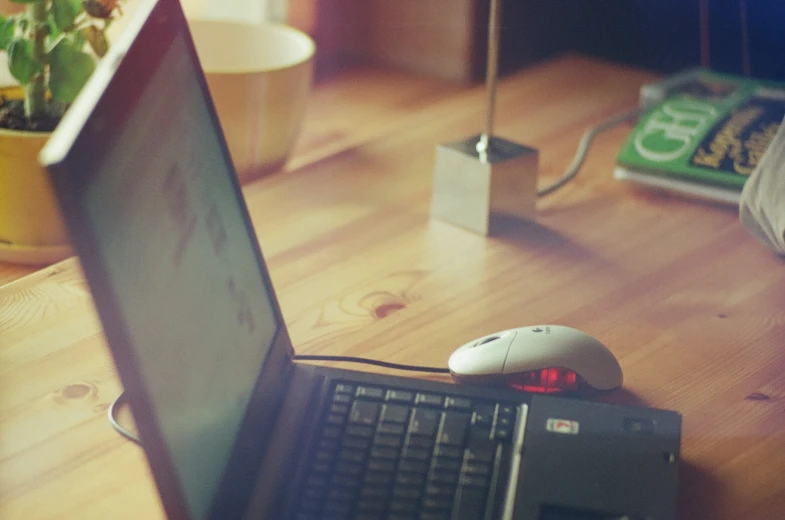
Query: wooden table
{"points": [[691, 305]]}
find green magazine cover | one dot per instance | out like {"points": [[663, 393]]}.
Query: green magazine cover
{"points": [[706, 136]]}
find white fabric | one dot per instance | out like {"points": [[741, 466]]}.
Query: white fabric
{"points": [[762, 205]]}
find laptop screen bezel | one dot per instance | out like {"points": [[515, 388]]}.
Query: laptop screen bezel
{"points": [[72, 157]]}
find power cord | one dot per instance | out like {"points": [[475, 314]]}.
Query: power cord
{"points": [[131, 436], [583, 148], [122, 430]]}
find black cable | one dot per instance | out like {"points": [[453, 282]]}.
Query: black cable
{"points": [[385, 364]]}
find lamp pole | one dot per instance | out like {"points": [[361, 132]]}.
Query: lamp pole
{"points": [[491, 74]]}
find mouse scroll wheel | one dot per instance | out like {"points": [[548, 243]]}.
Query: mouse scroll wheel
{"points": [[485, 341]]}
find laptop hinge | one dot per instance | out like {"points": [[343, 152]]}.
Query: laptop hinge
{"points": [[281, 458]]}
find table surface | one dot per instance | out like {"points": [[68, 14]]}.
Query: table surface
{"points": [[691, 305]]}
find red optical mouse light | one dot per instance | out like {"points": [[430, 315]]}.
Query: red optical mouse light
{"points": [[554, 380]]}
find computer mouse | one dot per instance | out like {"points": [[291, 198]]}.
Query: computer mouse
{"points": [[542, 358]]}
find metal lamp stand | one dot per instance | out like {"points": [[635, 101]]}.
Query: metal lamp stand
{"points": [[485, 174]]}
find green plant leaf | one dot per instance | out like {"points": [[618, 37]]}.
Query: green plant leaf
{"points": [[69, 69], [78, 40], [26, 1], [65, 13], [7, 26], [54, 31], [97, 40], [21, 62]]}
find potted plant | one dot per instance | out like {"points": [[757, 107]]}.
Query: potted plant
{"points": [[51, 47]]}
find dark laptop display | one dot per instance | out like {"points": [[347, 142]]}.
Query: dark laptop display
{"points": [[231, 426]]}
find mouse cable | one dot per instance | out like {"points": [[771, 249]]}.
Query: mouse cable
{"points": [[128, 434], [583, 148], [385, 364], [119, 428]]}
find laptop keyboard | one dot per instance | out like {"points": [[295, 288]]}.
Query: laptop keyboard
{"points": [[403, 455]]}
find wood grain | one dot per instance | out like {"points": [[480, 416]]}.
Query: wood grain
{"points": [[693, 307]]}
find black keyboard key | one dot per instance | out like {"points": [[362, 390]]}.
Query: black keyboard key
{"points": [[401, 516], [457, 403], [502, 434], [335, 419], [439, 491], [336, 509], [315, 481], [370, 392], [351, 455], [483, 415], [443, 477], [395, 413], [506, 410], [451, 452], [343, 388], [364, 413], [416, 454], [320, 467], [375, 492], [310, 506], [342, 399], [328, 444], [446, 464], [371, 506], [348, 468], [324, 455], [314, 494], [344, 481], [403, 505], [431, 503], [424, 422], [388, 441], [429, 400], [480, 450], [380, 452], [469, 504], [379, 478], [340, 494], [477, 468], [410, 479], [453, 428], [400, 396], [478, 481], [381, 465], [331, 432], [359, 431], [479, 434], [434, 515], [392, 428], [417, 441], [339, 408], [413, 466], [503, 422], [356, 443], [411, 493]]}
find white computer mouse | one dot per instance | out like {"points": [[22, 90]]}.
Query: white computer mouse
{"points": [[541, 358]]}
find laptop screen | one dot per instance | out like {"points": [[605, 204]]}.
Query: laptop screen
{"points": [[183, 271]]}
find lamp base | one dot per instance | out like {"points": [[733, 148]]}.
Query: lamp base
{"points": [[468, 186]]}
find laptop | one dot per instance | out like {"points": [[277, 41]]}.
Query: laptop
{"points": [[232, 426]]}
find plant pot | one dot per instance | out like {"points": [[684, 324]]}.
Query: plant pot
{"points": [[32, 230]]}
